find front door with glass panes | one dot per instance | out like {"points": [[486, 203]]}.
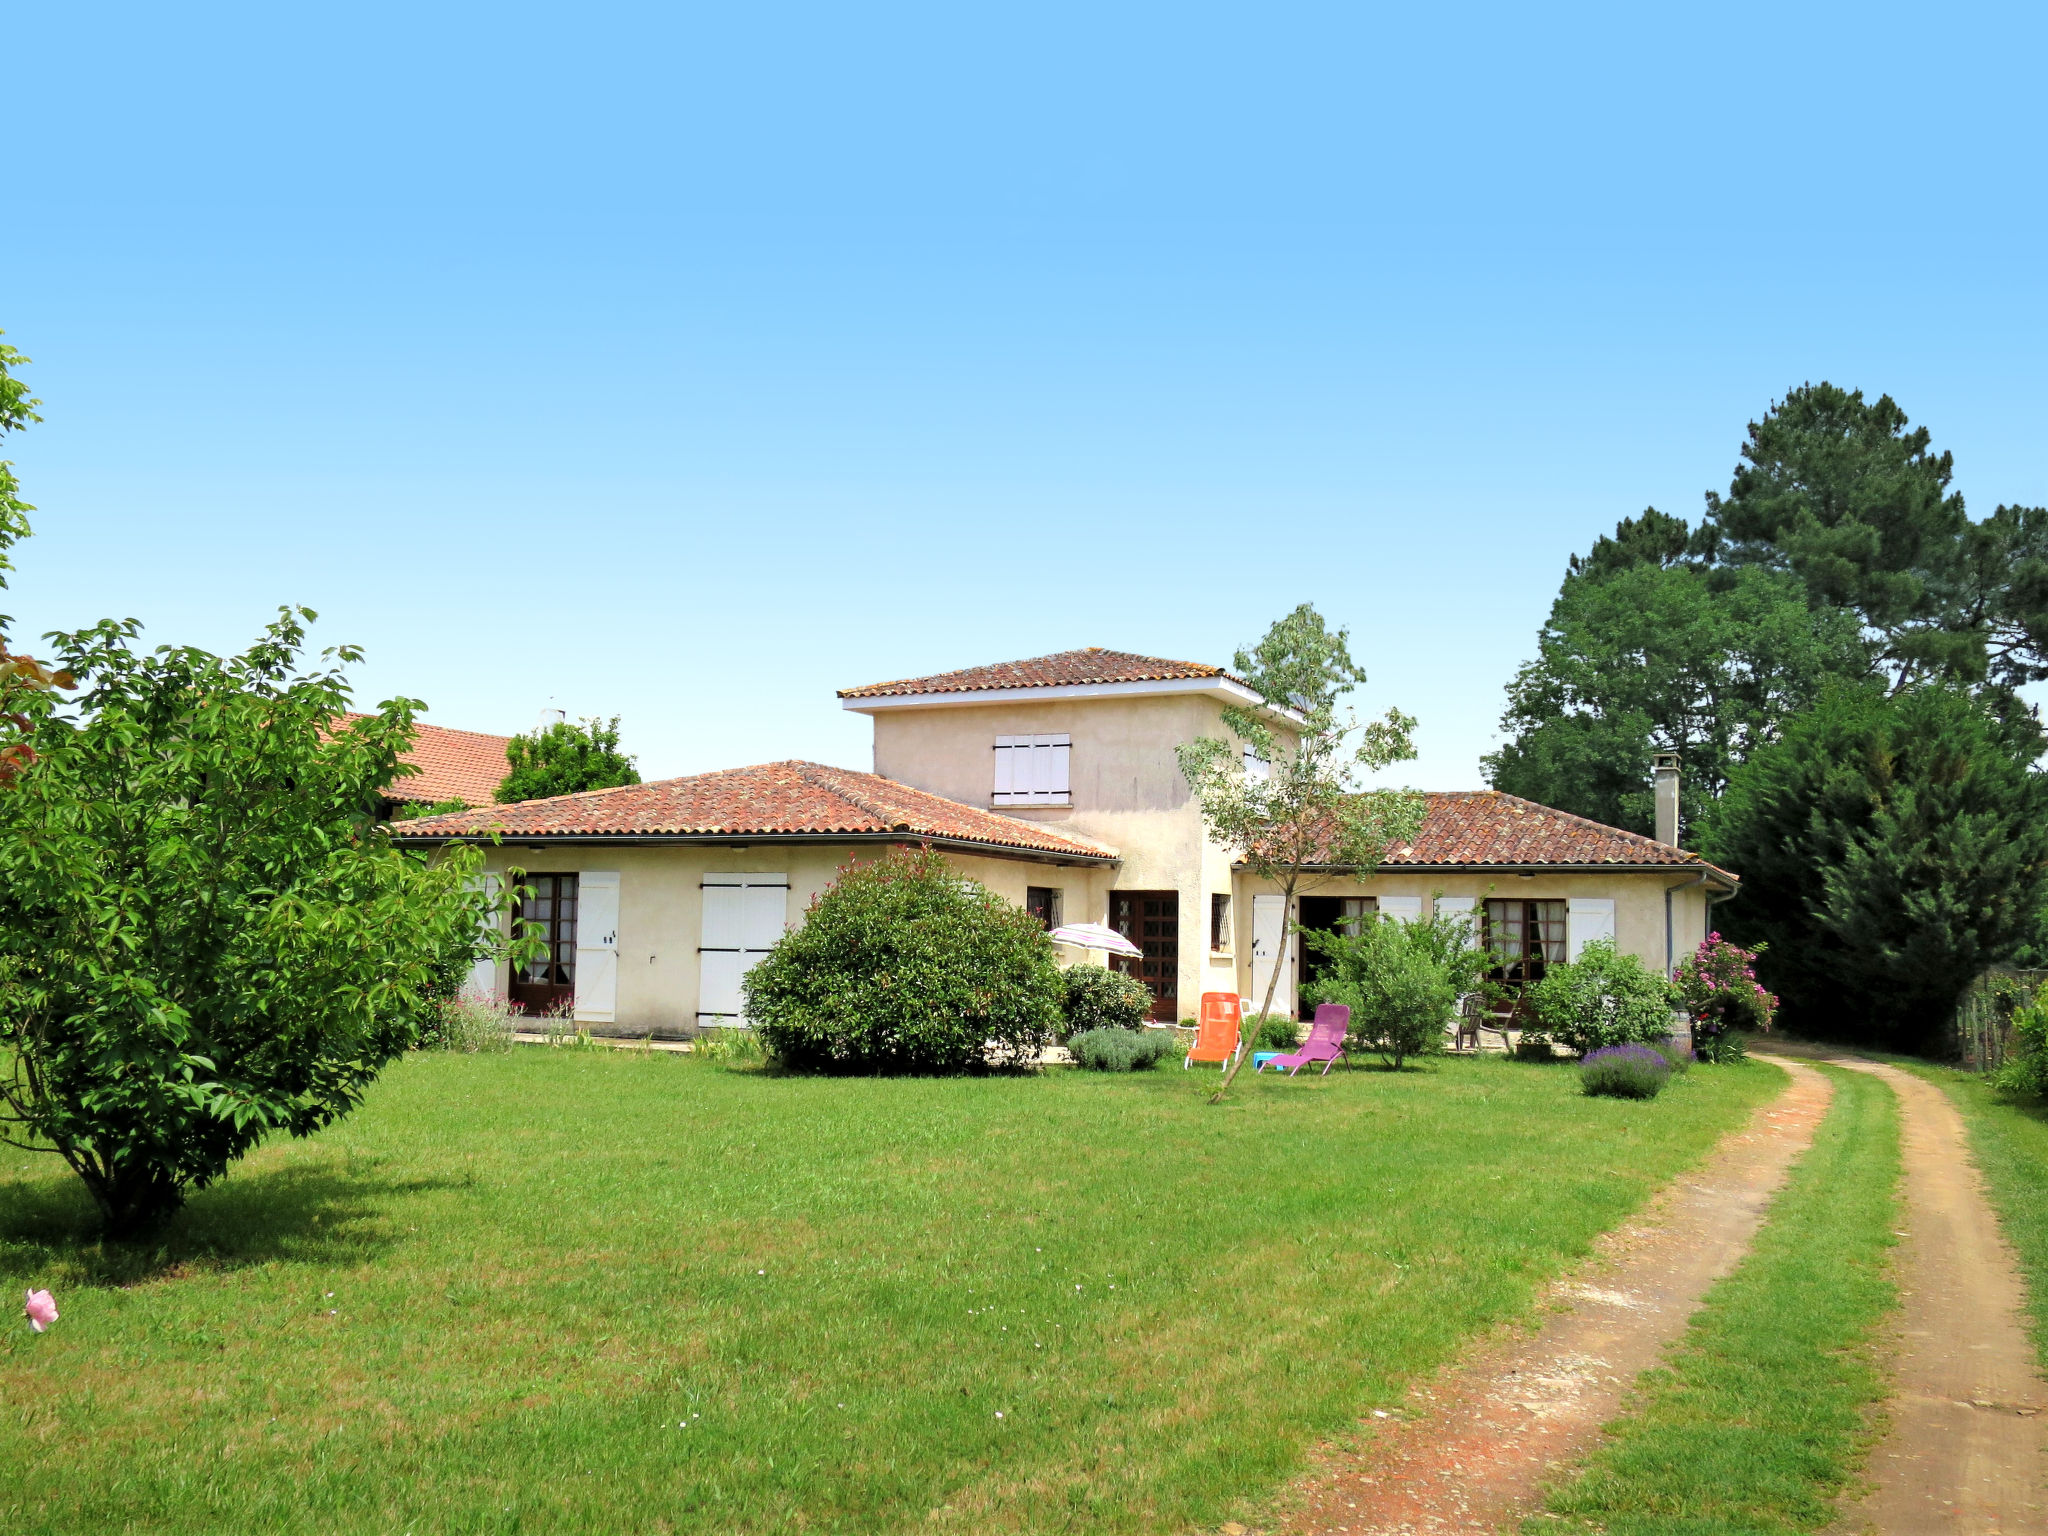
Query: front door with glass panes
{"points": [[547, 982], [1525, 937], [1150, 920]]}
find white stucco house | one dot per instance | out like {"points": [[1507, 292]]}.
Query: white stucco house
{"points": [[1054, 782]]}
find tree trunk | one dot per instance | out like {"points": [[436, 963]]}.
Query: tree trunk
{"points": [[1272, 985], [133, 1201]]}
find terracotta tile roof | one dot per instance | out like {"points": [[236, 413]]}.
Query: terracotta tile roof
{"points": [[453, 765], [766, 800], [1063, 669], [1483, 826]]}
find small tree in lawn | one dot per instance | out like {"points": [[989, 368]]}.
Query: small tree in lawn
{"points": [[565, 759], [204, 935], [1307, 814]]}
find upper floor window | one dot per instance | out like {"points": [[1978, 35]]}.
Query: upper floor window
{"points": [[1255, 766], [1032, 770]]}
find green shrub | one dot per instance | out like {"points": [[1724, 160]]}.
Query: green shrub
{"points": [[1270, 1032], [1625, 1072], [1605, 997], [2024, 1074], [470, 1022], [1121, 1050], [1099, 998], [1717, 986], [902, 966], [1394, 978]]}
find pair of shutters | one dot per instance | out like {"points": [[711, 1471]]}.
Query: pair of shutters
{"points": [[744, 916], [1586, 918], [597, 946], [1032, 770]]}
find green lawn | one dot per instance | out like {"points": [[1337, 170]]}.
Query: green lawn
{"points": [[2010, 1142], [1756, 1424], [492, 1300]]}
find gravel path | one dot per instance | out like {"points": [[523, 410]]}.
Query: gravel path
{"points": [[1474, 1447]]}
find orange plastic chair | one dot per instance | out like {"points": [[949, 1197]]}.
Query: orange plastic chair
{"points": [[1217, 1038]]}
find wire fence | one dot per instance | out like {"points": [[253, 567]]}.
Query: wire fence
{"points": [[1983, 1024]]}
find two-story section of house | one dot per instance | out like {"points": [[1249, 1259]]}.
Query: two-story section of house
{"points": [[1084, 741]]}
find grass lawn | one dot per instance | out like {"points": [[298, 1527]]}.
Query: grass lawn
{"points": [[1756, 1423], [2011, 1146], [493, 1299]]}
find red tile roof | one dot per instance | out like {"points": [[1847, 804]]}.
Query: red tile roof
{"points": [[1063, 669], [453, 765], [1477, 827], [792, 799]]}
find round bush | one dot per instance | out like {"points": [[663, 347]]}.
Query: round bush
{"points": [[1120, 1050], [1625, 1072], [902, 966], [1604, 997], [1099, 998], [1275, 1033]]}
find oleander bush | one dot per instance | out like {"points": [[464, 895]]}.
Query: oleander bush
{"points": [[1121, 1050], [903, 966], [1625, 1072], [1716, 985], [1099, 998]]}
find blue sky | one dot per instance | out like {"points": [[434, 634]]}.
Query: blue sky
{"points": [[689, 365]]}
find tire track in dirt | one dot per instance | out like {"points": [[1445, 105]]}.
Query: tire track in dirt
{"points": [[1476, 1445], [1964, 1454]]}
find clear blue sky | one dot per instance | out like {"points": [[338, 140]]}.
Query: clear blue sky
{"points": [[687, 366]]}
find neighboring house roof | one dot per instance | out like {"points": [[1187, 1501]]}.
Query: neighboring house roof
{"points": [[453, 765], [790, 800], [1063, 669], [1475, 828]]}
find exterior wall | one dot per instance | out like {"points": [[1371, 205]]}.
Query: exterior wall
{"points": [[1127, 792], [661, 909], [1638, 896]]}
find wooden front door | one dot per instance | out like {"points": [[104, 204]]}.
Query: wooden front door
{"points": [[549, 981], [1151, 920]]}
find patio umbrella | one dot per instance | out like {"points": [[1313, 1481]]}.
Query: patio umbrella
{"points": [[1095, 936]]}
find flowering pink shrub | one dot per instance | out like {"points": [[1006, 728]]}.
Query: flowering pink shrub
{"points": [[1717, 985]]}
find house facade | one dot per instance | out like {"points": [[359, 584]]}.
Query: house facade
{"points": [[1053, 781]]}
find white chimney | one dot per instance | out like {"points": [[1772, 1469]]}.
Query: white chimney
{"points": [[1664, 774], [550, 717]]}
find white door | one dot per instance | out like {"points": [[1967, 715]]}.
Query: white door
{"points": [[1587, 918], [597, 946], [744, 916], [483, 975], [1270, 939]]}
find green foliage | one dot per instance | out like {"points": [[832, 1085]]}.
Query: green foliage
{"points": [[468, 1024], [1394, 979], [1605, 997], [1121, 1050], [1717, 987], [1309, 812], [2024, 1072], [413, 810], [1624, 1072], [204, 938], [17, 410], [1891, 850], [1096, 997], [902, 966], [1643, 658], [1277, 1033], [565, 759], [730, 1046]]}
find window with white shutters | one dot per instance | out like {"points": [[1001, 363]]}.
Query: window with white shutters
{"points": [[1256, 768], [1032, 770], [744, 914]]}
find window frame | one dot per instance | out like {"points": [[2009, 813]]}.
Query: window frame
{"points": [[1048, 897]]}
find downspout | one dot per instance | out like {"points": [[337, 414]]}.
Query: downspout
{"points": [[1670, 959]]}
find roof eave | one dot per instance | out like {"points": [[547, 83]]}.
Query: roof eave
{"points": [[1695, 868], [1226, 690]]}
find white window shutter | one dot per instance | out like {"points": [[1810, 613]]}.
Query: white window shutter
{"points": [[597, 946], [483, 975], [1402, 909], [1032, 770], [1587, 918], [745, 915], [1466, 907], [1006, 769], [1062, 752]]}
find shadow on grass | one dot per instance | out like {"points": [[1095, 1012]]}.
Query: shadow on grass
{"points": [[310, 1215]]}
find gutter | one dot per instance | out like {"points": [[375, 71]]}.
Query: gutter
{"points": [[508, 839]]}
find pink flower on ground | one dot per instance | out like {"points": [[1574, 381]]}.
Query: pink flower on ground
{"points": [[41, 1309]]}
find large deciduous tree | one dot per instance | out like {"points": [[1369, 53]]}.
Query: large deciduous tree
{"points": [[1644, 652], [565, 759], [1307, 811], [204, 935], [1891, 849]]}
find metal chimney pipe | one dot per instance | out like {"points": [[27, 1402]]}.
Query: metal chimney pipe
{"points": [[1664, 776]]}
